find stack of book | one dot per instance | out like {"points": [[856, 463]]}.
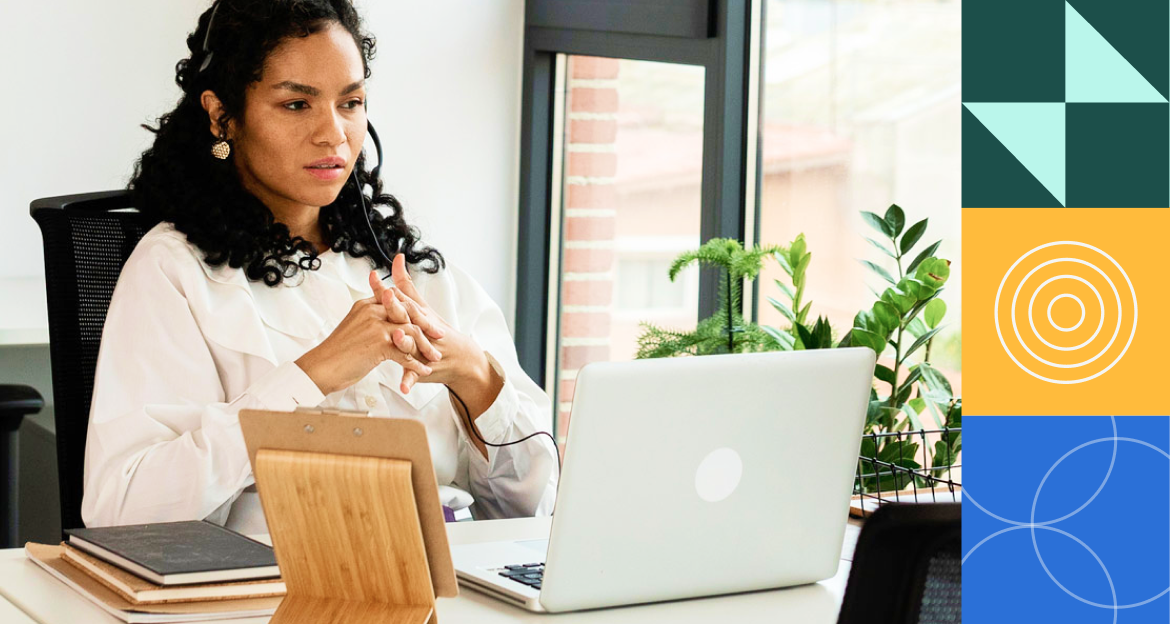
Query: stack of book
{"points": [[168, 572]]}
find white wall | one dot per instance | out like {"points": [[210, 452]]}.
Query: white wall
{"points": [[80, 76]]}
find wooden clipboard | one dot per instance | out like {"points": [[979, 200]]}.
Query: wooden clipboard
{"points": [[353, 511]]}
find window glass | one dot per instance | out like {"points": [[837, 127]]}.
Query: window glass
{"points": [[630, 202], [860, 109]]}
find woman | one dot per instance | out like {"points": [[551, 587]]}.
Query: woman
{"points": [[256, 291]]}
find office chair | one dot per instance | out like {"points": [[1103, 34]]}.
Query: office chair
{"points": [[906, 567], [87, 240], [16, 402]]}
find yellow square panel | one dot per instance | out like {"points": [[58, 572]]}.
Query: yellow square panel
{"points": [[1066, 311]]}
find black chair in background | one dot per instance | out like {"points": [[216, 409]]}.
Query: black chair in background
{"points": [[16, 402], [906, 567], [87, 240]]}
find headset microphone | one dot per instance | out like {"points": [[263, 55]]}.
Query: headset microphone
{"points": [[374, 174]]}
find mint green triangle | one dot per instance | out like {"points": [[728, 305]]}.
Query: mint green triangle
{"points": [[1035, 133], [1095, 71]]}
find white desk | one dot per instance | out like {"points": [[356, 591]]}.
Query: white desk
{"points": [[47, 601]]}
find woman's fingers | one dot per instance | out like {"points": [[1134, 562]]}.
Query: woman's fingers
{"points": [[410, 377], [419, 317], [402, 279], [396, 312], [410, 339]]}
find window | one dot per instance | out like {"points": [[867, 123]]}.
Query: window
{"points": [[632, 160], [860, 109]]}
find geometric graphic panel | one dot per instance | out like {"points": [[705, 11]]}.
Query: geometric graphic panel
{"points": [[1065, 311], [1065, 519], [1034, 132], [1117, 155], [1095, 71], [1013, 51], [992, 176], [1105, 63]]}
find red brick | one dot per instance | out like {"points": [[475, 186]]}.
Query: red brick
{"points": [[599, 293], [587, 260], [577, 357], [566, 392], [562, 430], [594, 67], [589, 100], [590, 228], [593, 164], [590, 196], [585, 324], [593, 130]]}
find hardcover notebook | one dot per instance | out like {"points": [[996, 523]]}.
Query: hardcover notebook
{"points": [[178, 553]]}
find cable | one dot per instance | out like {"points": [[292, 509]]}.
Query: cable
{"points": [[476, 432]]}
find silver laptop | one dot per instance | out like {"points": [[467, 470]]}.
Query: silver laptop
{"points": [[689, 477]]}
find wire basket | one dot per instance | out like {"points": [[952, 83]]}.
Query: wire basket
{"points": [[896, 467]]}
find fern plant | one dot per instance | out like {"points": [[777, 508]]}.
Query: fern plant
{"points": [[726, 331]]}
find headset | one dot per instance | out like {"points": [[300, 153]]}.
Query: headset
{"points": [[374, 174]]}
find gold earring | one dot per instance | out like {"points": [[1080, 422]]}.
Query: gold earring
{"points": [[221, 149]]}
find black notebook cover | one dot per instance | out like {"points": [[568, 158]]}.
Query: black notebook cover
{"points": [[180, 547]]}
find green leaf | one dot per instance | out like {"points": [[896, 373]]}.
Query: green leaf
{"points": [[799, 270], [805, 339], [797, 249], [880, 247], [901, 301], [884, 373], [934, 312], [930, 406], [879, 270], [936, 383], [933, 271], [914, 376], [868, 448], [784, 262], [916, 327], [846, 340], [887, 315], [783, 309], [878, 223], [913, 417], [784, 340], [804, 312], [914, 233], [785, 289], [863, 338], [919, 342], [923, 255], [895, 219]]}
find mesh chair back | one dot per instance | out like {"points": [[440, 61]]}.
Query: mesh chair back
{"points": [[87, 240], [906, 567]]}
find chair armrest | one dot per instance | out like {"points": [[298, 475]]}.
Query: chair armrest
{"points": [[16, 402]]}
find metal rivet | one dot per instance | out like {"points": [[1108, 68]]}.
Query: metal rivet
{"points": [[357, 431], [308, 428]]}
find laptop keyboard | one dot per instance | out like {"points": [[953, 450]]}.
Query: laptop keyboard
{"points": [[527, 574]]}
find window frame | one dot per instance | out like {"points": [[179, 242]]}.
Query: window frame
{"points": [[730, 172]]}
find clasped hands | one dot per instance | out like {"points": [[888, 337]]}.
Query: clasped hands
{"points": [[394, 324]]}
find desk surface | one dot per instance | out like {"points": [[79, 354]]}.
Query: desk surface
{"points": [[47, 601]]}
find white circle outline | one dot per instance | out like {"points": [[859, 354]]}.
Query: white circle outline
{"points": [[1033, 511], [1101, 312], [1049, 312], [1000, 335], [1117, 324]]}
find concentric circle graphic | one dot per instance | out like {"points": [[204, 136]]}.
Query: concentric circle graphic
{"points": [[1033, 525], [1078, 266]]}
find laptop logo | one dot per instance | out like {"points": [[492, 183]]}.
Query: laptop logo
{"points": [[718, 475]]}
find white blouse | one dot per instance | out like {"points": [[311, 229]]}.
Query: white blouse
{"points": [[186, 346]]}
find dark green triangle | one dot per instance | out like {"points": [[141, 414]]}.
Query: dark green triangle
{"points": [[993, 177]]}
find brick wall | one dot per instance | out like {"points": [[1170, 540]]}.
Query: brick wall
{"points": [[591, 163]]}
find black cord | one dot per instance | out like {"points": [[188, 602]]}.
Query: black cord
{"points": [[476, 432], [467, 413]]}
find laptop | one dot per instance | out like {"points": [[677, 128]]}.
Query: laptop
{"points": [[689, 477]]}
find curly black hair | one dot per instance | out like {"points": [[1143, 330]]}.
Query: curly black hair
{"points": [[177, 179]]}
